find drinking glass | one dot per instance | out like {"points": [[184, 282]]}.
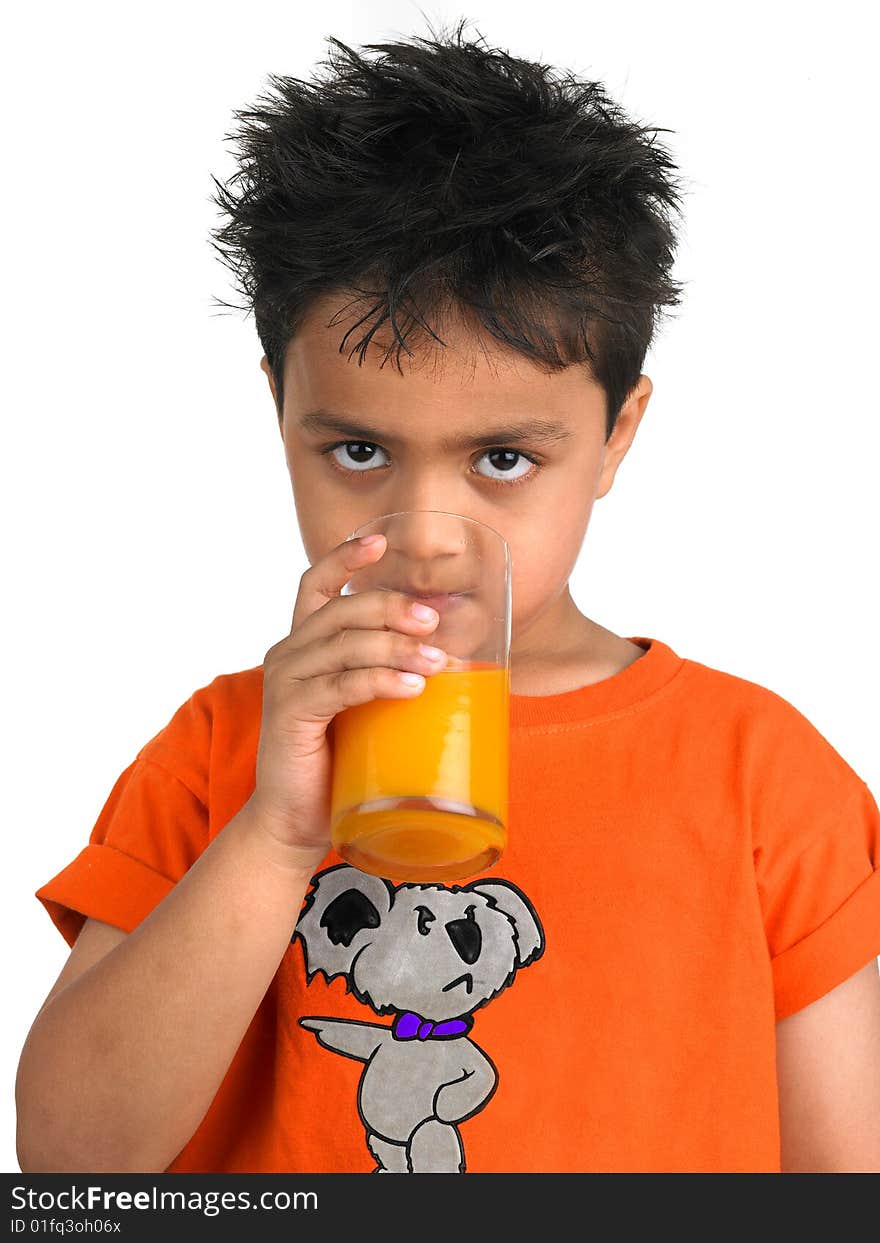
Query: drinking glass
{"points": [[420, 785]]}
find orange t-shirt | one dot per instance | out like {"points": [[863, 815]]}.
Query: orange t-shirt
{"points": [[689, 860]]}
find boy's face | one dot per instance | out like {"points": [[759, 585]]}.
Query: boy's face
{"points": [[411, 422]]}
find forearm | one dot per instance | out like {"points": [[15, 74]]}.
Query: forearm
{"points": [[121, 1066]]}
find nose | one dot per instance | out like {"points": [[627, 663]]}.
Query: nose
{"points": [[467, 939], [426, 534], [430, 546]]}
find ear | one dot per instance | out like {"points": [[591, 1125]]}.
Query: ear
{"points": [[267, 371], [528, 933], [342, 914], [628, 419]]}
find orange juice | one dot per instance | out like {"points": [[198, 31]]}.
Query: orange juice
{"points": [[420, 785]]}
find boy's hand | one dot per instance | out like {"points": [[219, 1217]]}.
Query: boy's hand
{"points": [[341, 651]]}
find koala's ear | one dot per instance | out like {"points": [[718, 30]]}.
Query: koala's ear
{"points": [[342, 912], [528, 933]]}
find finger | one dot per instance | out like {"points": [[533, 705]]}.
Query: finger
{"points": [[361, 649], [365, 610], [319, 699], [325, 579]]}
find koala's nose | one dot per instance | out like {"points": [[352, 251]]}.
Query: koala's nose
{"points": [[465, 935]]}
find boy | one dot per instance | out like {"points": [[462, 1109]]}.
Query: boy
{"points": [[671, 968]]}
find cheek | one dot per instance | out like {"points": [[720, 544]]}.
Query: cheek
{"points": [[543, 564], [532, 584], [321, 527]]}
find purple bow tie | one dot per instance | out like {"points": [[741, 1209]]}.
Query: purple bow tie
{"points": [[409, 1025]]}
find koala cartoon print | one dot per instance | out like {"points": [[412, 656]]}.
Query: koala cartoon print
{"points": [[430, 955]]}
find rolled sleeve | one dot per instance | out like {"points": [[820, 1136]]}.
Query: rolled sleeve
{"points": [[842, 945], [821, 899], [102, 883], [151, 829]]}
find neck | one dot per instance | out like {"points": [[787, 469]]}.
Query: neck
{"points": [[562, 650]]}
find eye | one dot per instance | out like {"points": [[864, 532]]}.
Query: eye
{"points": [[360, 447], [362, 453], [426, 918], [506, 475]]}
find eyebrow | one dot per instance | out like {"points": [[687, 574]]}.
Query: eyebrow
{"points": [[543, 430]]}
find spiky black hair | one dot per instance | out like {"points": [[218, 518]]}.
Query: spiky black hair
{"points": [[446, 176]]}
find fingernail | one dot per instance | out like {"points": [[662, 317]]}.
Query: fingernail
{"points": [[423, 613], [367, 540]]}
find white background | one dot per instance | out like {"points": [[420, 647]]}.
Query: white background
{"points": [[151, 539]]}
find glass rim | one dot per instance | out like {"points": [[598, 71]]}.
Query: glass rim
{"points": [[445, 513]]}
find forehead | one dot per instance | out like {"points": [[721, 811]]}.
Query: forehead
{"points": [[465, 342], [471, 375]]}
